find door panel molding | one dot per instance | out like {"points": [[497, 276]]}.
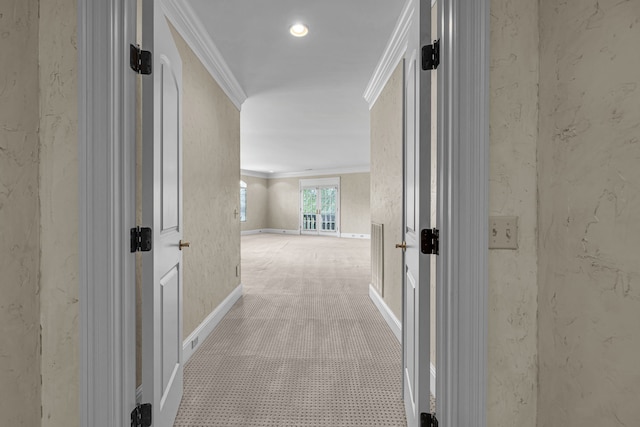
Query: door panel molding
{"points": [[417, 207], [162, 209]]}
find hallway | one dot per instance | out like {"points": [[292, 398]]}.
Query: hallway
{"points": [[305, 346]]}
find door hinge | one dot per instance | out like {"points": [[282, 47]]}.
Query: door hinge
{"points": [[431, 56], [140, 60], [141, 239], [430, 241], [428, 420], [141, 415]]}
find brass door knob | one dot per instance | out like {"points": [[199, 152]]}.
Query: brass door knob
{"points": [[402, 246], [183, 245]]}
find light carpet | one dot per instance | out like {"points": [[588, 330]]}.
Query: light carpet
{"points": [[305, 346]]}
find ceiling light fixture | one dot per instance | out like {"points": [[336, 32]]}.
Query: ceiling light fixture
{"points": [[299, 30]]}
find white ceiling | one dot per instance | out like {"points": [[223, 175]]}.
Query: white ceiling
{"points": [[304, 107]]}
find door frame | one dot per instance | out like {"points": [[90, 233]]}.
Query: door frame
{"points": [[319, 183], [106, 160], [463, 204], [106, 202]]}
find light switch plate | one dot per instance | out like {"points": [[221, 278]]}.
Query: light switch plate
{"points": [[503, 232]]}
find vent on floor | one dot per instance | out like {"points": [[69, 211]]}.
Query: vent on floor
{"points": [[377, 257]]}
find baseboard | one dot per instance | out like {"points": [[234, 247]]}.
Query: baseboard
{"points": [[355, 236], [208, 325], [387, 314], [297, 232], [396, 328], [249, 232], [280, 231]]}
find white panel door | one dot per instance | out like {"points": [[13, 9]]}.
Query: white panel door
{"points": [[162, 360], [417, 209]]}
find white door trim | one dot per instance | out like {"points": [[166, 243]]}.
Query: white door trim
{"points": [[106, 161], [463, 80], [106, 191]]}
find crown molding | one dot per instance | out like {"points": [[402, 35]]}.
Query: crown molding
{"points": [[393, 53], [255, 174], [186, 21], [322, 172], [300, 174]]}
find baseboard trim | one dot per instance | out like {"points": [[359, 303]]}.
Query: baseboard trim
{"points": [[396, 328], [249, 232], [387, 314], [208, 325], [355, 236], [280, 231], [297, 232]]}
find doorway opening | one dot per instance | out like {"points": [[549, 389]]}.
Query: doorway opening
{"points": [[465, 127]]}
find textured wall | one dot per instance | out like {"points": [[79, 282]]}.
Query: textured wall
{"points": [[211, 179], [512, 341], [386, 182], [355, 203], [59, 212], [257, 203], [284, 203], [19, 215], [589, 185]]}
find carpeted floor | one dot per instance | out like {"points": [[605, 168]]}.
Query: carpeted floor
{"points": [[305, 346]]}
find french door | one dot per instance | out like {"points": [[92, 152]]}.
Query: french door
{"points": [[320, 207]]}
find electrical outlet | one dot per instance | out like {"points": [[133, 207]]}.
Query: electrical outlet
{"points": [[503, 232], [194, 342]]}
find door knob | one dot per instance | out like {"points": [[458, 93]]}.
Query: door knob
{"points": [[402, 246], [183, 245]]}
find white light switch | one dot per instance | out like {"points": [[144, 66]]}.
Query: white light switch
{"points": [[503, 232]]}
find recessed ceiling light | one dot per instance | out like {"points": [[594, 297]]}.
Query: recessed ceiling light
{"points": [[299, 30], [270, 171]]}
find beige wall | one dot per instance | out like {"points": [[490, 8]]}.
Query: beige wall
{"points": [[386, 182], [211, 179], [257, 203], [512, 370], [284, 203], [589, 176], [59, 211], [19, 215], [355, 190]]}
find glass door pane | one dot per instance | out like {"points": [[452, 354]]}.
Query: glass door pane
{"points": [[328, 209], [309, 209]]}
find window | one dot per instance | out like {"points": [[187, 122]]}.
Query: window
{"points": [[243, 201]]}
